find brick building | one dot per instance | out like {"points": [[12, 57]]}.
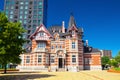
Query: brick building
{"points": [[60, 48]]}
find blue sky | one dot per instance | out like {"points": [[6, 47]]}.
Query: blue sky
{"points": [[99, 18]]}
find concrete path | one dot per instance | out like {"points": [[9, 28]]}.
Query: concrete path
{"points": [[82, 75]]}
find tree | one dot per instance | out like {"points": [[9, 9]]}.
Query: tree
{"points": [[11, 41], [105, 60], [113, 62], [117, 58]]}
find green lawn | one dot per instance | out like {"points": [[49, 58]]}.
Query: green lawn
{"points": [[118, 69]]}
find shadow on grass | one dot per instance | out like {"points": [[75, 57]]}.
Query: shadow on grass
{"points": [[25, 76]]}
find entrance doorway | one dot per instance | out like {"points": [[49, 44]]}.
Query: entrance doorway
{"points": [[60, 63]]}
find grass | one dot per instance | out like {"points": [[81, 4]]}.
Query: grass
{"points": [[118, 69]]}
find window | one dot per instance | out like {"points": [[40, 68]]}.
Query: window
{"points": [[7, 2], [6, 7], [52, 47], [12, 7], [47, 59], [41, 45], [40, 7], [40, 3], [26, 7], [39, 21], [27, 59], [73, 45], [25, 21], [39, 16], [56, 46], [39, 58], [73, 58], [20, 16], [34, 21], [24, 36], [35, 16], [11, 16], [6, 11], [35, 2], [30, 2], [11, 12], [21, 12], [25, 16], [52, 59], [40, 12], [20, 21], [41, 34], [88, 61], [21, 3], [35, 7], [26, 12], [26, 2], [21, 7], [60, 46]]}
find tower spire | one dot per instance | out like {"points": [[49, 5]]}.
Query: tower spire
{"points": [[71, 21]]}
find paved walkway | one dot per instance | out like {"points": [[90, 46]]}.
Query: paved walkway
{"points": [[82, 75]]}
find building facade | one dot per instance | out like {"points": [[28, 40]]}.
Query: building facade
{"points": [[107, 53], [59, 48], [30, 13]]}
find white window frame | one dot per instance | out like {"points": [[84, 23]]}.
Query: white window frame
{"points": [[41, 45], [27, 59], [74, 57], [73, 45], [39, 57], [52, 59], [47, 59]]}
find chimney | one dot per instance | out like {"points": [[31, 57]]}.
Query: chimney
{"points": [[63, 27], [87, 43]]}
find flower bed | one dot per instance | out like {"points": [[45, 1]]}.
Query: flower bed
{"points": [[115, 70], [1, 70]]}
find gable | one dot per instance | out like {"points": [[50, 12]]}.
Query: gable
{"points": [[41, 31], [73, 28]]}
